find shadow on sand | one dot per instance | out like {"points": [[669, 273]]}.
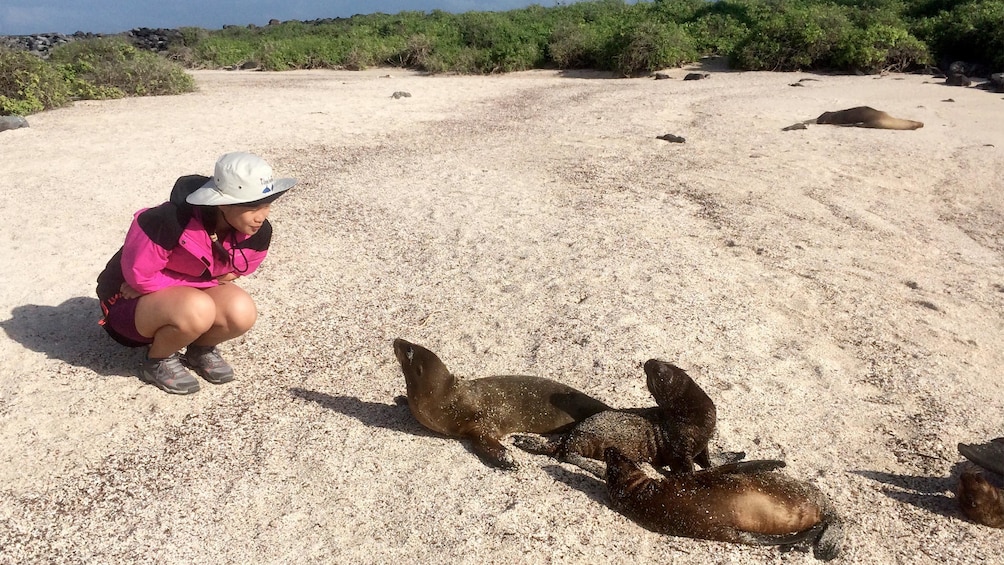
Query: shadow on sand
{"points": [[70, 333], [926, 493], [395, 417]]}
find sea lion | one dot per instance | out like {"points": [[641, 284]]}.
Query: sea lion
{"points": [[674, 434], [980, 501], [866, 117], [747, 502], [988, 455], [486, 410]]}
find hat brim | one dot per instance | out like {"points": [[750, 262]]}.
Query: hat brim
{"points": [[209, 195]]}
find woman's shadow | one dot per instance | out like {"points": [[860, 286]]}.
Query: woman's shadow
{"points": [[70, 333]]}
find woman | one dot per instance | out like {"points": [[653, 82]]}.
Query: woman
{"points": [[171, 285]]}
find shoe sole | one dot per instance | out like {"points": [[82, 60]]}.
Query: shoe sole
{"points": [[209, 378], [190, 390]]}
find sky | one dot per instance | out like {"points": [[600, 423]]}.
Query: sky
{"points": [[27, 17]]}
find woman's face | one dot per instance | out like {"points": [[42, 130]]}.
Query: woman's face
{"points": [[245, 219]]}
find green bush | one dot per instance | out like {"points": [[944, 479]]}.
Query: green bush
{"points": [[29, 85], [879, 48], [102, 67], [972, 31], [717, 33], [650, 46], [575, 46], [790, 37]]}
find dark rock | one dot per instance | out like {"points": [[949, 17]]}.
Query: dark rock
{"points": [[671, 138], [997, 82], [12, 122], [697, 76], [662, 76], [958, 80], [401, 94]]}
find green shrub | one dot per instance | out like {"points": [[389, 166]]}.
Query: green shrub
{"points": [[972, 31], [29, 85], [879, 48], [650, 46], [575, 46], [717, 34], [789, 37], [103, 66]]}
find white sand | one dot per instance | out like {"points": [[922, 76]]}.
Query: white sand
{"points": [[839, 293]]}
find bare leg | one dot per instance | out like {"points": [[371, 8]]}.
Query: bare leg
{"points": [[235, 314], [174, 317]]}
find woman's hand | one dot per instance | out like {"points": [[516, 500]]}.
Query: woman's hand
{"points": [[129, 292], [229, 277]]}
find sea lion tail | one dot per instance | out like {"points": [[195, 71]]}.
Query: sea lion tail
{"points": [[990, 455], [829, 544]]}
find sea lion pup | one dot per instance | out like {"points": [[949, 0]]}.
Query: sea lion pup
{"points": [[746, 502], [980, 501], [486, 410], [674, 434], [988, 455], [865, 117]]}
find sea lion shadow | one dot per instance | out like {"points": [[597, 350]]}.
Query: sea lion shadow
{"points": [[593, 487], [70, 333], [926, 493], [375, 414]]}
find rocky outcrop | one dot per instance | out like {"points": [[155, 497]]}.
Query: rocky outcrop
{"points": [[41, 44]]}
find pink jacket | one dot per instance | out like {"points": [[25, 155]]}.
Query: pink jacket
{"points": [[168, 246]]}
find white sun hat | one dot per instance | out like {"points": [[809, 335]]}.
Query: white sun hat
{"points": [[240, 178]]}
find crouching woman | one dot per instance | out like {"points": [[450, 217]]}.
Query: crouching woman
{"points": [[171, 285]]}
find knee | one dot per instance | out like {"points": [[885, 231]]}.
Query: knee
{"points": [[196, 314], [241, 313]]}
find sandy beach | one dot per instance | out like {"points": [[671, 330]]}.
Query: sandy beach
{"points": [[837, 291]]}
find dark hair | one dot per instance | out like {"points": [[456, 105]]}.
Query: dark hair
{"points": [[212, 219]]}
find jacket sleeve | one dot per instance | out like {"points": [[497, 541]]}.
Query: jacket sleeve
{"points": [[143, 259]]}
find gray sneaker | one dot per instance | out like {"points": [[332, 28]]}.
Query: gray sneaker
{"points": [[207, 362], [168, 374]]}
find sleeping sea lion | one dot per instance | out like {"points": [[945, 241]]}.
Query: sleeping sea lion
{"points": [[675, 433], [747, 502], [486, 410], [988, 455], [865, 117], [980, 501]]}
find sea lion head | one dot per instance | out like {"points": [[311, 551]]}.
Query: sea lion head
{"points": [[980, 501], [425, 375], [666, 381]]}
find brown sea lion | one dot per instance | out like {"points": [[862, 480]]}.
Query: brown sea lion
{"points": [[747, 502], [486, 410], [980, 501], [865, 117], [674, 434], [988, 455]]}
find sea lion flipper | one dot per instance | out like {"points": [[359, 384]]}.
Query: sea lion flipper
{"points": [[535, 444], [795, 538], [591, 466], [493, 452], [989, 455], [830, 542], [754, 466]]}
